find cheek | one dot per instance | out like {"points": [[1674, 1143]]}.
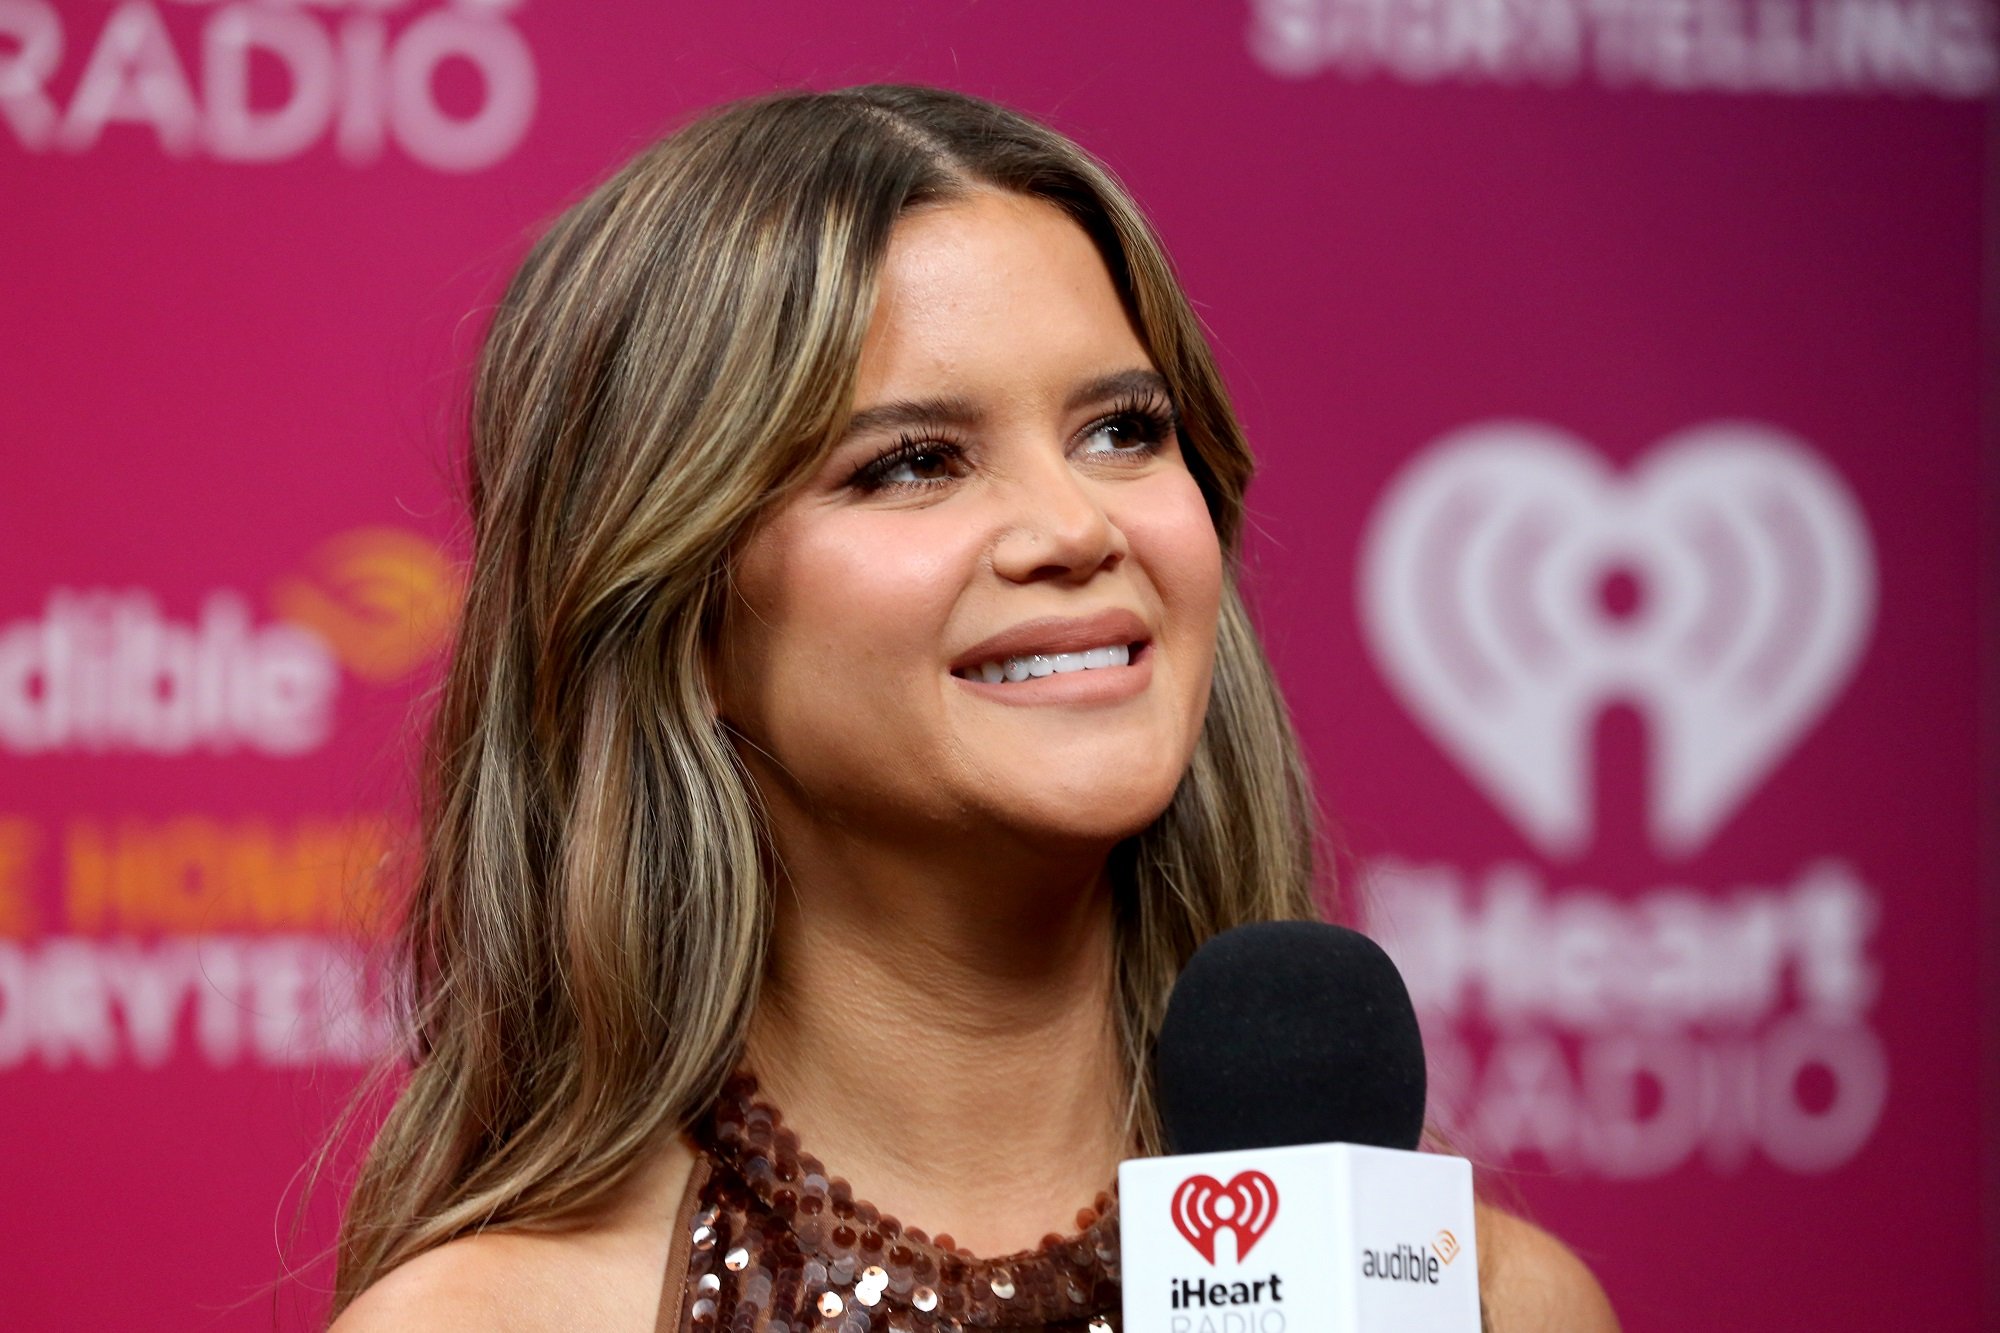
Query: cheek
{"points": [[836, 612], [1175, 541]]}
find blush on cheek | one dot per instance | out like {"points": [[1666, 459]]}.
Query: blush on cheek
{"points": [[838, 632], [1175, 542]]}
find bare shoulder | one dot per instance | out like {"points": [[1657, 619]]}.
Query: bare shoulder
{"points": [[1529, 1280], [603, 1276]]}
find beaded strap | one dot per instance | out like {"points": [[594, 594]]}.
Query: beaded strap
{"points": [[779, 1246]]}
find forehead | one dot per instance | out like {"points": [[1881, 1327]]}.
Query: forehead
{"points": [[992, 293]]}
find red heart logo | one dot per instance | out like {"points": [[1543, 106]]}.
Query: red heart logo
{"points": [[1204, 1205]]}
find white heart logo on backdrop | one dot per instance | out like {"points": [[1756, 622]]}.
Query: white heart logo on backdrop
{"points": [[1512, 585]]}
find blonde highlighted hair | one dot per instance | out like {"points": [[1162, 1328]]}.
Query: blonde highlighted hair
{"points": [[585, 930]]}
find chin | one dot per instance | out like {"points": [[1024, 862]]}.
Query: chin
{"points": [[1076, 814]]}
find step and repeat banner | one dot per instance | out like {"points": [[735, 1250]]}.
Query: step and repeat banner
{"points": [[1615, 368]]}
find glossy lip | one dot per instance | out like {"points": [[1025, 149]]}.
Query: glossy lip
{"points": [[1049, 635], [1057, 634]]}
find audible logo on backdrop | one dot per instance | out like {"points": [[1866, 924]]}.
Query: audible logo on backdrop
{"points": [[451, 85], [105, 671]]}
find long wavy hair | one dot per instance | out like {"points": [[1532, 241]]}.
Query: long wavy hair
{"points": [[587, 920]]}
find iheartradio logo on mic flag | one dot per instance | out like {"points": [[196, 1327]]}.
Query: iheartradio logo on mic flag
{"points": [[1245, 1207], [1514, 585], [1368, 1240]]}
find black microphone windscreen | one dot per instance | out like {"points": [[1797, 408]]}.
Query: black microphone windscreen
{"points": [[1287, 1032]]}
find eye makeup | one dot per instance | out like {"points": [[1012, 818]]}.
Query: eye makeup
{"points": [[1147, 421]]}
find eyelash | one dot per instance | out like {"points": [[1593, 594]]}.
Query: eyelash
{"points": [[1153, 417]]}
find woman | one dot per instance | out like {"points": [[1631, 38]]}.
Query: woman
{"points": [[852, 689]]}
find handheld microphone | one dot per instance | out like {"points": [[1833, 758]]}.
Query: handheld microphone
{"points": [[1289, 1073]]}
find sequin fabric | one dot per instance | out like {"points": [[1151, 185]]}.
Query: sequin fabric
{"points": [[776, 1245]]}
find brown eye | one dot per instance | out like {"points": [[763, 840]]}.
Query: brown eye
{"points": [[1133, 432], [931, 466], [909, 467], [1126, 430]]}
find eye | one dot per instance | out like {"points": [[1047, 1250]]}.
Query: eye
{"points": [[1139, 429], [1121, 435], [910, 465], [930, 465]]}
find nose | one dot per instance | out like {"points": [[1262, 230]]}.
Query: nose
{"points": [[1060, 529]]}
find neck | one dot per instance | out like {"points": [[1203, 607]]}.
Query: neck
{"points": [[941, 1032]]}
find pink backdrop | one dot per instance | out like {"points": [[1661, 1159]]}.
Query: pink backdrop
{"points": [[1615, 366]]}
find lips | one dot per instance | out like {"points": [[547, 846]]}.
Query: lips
{"points": [[1050, 635]]}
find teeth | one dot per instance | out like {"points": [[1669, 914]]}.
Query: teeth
{"points": [[1034, 665]]}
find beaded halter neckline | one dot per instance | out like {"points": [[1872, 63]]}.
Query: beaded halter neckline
{"points": [[771, 1213]]}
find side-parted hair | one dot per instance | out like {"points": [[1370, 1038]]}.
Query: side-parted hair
{"points": [[587, 920]]}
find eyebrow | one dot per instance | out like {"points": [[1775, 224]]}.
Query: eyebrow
{"points": [[954, 410]]}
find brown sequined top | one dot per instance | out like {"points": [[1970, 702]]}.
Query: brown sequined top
{"points": [[767, 1242]]}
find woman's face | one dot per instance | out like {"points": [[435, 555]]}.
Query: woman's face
{"points": [[1009, 505]]}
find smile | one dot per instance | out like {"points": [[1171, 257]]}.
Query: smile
{"points": [[1029, 666]]}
